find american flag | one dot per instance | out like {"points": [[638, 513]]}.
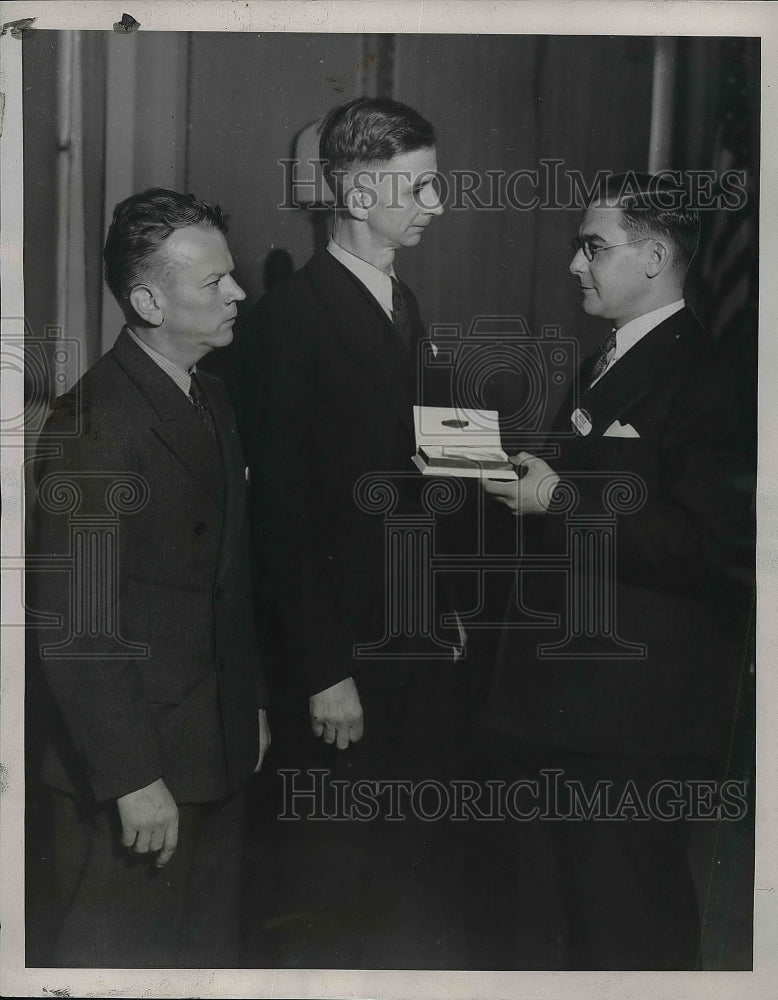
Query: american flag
{"points": [[729, 268]]}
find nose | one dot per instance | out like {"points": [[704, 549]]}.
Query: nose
{"points": [[429, 199], [436, 205], [233, 292], [579, 263]]}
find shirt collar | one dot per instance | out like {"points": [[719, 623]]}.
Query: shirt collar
{"points": [[183, 379], [629, 334], [378, 283]]}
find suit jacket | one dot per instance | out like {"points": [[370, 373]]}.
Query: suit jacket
{"points": [[328, 390], [682, 562], [142, 570]]}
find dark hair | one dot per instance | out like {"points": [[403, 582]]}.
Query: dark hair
{"points": [[369, 130], [654, 205], [139, 228]]}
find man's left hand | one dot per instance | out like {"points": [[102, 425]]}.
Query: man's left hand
{"points": [[264, 738], [532, 493]]}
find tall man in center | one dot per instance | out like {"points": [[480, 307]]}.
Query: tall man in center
{"points": [[328, 383]]}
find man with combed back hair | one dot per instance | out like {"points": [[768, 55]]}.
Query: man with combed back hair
{"points": [[148, 648], [329, 381], [627, 690]]}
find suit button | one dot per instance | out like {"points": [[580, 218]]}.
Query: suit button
{"points": [[200, 528]]}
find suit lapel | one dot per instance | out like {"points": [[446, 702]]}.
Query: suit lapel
{"points": [[363, 328], [633, 376], [178, 426], [415, 357]]}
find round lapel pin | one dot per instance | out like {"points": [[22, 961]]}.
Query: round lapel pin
{"points": [[582, 422]]}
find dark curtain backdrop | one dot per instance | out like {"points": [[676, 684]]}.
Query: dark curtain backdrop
{"points": [[249, 97], [717, 127], [40, 54]]}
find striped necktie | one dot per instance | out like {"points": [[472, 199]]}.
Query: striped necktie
{"points": [[200, 403], [603, 359]]}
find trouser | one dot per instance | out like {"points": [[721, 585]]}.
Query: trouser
{"points": [[364, 880], [122, 912], [597, 885]]}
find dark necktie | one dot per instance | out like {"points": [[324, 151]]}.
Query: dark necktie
{"points": [[200, 403], [400, 316], [606, 352]]}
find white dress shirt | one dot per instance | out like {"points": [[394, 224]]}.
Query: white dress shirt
{"points": [[183, 379], [378, 283], [629, 334]]}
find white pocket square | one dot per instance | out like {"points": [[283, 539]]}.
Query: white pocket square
{"points": [[617, 430]]}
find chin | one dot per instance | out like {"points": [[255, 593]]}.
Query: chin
{"points": [[222, 338]]}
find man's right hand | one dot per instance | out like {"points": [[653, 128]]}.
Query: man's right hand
{"points": [[150, 821], [531, 493], [336, 714]]}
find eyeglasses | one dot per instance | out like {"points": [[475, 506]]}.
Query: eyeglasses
{"points": [[589, 249]]}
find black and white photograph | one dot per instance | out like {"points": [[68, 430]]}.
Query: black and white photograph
{"points": [[387, 448]]}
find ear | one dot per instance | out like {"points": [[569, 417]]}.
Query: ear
{"points": [[359, 201], [659, 258], [144, 299]]}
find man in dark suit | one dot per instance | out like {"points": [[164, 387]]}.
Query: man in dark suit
{"points": [[328, 384], [638, 552], [142, 572]]}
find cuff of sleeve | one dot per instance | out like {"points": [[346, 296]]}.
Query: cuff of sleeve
{"points": [[107, 788]]}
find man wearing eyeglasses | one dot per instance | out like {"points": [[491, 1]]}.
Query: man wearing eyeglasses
{"points": [[638, 552]]}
